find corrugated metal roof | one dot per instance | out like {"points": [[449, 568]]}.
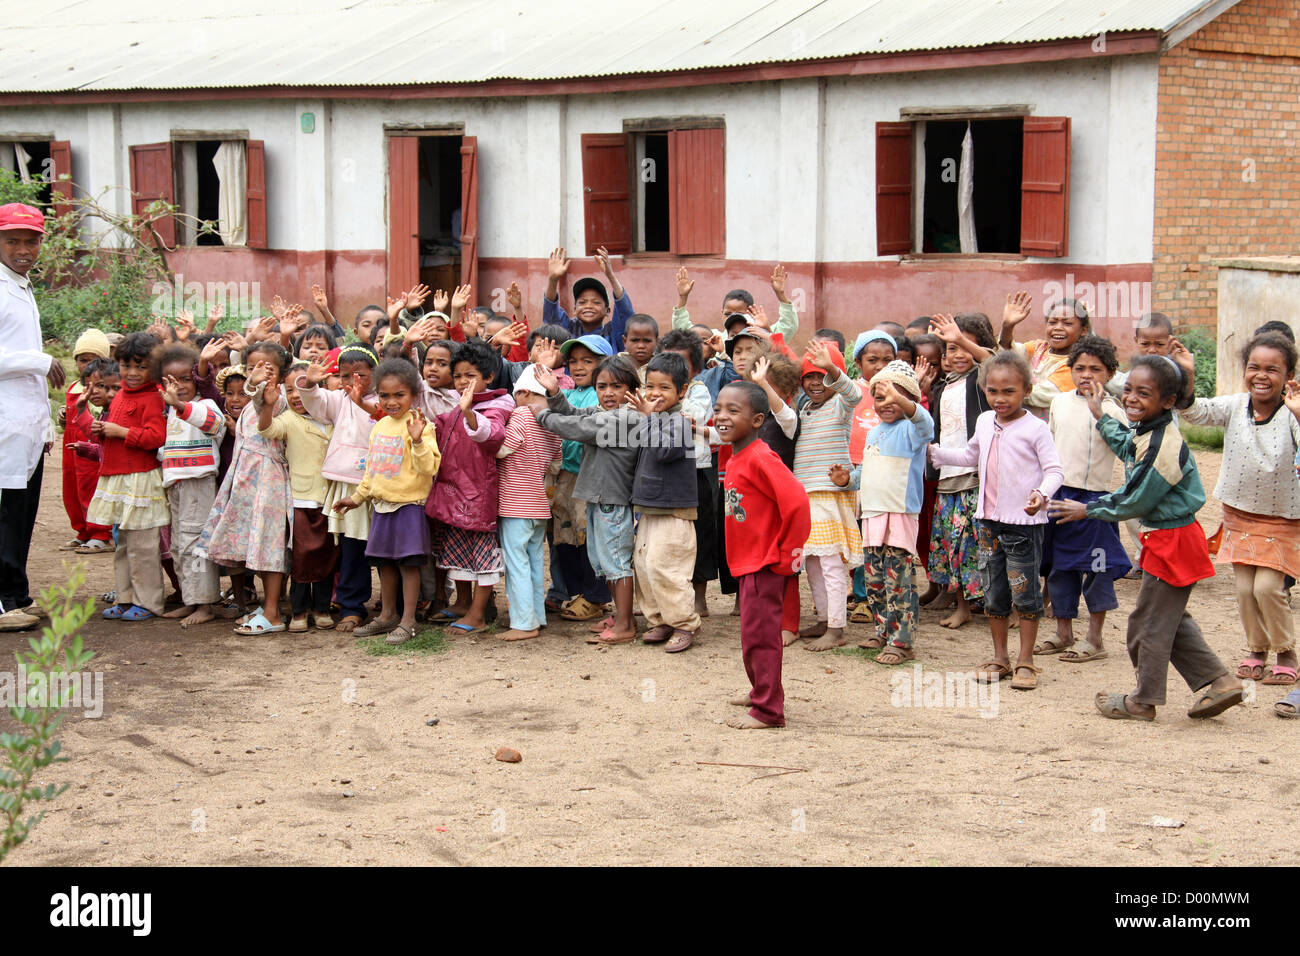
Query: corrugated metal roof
{"points": [[65, 45]]}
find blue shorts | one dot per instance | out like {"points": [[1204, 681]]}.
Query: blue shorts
{"points": [[611, 535]]}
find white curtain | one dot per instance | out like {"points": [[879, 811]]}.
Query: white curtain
{"points": [[232, 174], [965, 195], [23, 158]]}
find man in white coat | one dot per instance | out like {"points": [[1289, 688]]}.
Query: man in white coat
{"points": [[26, 429]]}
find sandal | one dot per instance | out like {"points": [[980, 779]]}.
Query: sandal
{"points": [[399, 635], [348, 624], [681, 640], [297, 626], [1251, 668], [875, 642], [115, 612], [1280, 674], [1288, 706], [72, 545], [1211, 704], [1025, 683], [607, 637], [257, 612], [1112, 706], [376, 627], [1086, 651], [96, 546], [1051, 645], [862, 614], [991, 671], [894, 654], [136, 613], [657, 635], [464, 628], [259, 625], [601, 625], [580, 609]]}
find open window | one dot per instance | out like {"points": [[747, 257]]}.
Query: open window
{"points": [[973, 184], [37, 159], [658, 187], [219, 181]]}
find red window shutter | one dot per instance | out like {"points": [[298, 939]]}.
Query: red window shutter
{"points": [[403, 213], [61, 165], [469, 215], [1045, 187], [255, 194], [893, 189], [697, 214], [152, 178], [606, 204]]}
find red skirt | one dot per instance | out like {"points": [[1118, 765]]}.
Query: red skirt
{"points": [[1178, 556]]}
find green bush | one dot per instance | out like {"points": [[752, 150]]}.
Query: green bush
{"points": [[1201, 343]]}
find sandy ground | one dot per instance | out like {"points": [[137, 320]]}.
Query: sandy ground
{"points": [[301, 749]]}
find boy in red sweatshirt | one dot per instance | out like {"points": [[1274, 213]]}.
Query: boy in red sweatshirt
{"points": [[766, 511]]}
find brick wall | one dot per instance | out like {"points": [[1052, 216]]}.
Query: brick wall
{"points": [[1227, 152]]}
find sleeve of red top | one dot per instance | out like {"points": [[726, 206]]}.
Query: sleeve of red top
{"points": [[792, 506], [456, 333], [150, 434], [519, 351]]}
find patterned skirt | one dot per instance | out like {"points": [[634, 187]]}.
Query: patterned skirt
{"points": [[353, 524], [954, 552], [478, 552], [835, 528], [133, 502], [1264, 541]]}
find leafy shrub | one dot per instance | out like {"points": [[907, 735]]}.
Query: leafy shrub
{"points": [[1202, 343]]}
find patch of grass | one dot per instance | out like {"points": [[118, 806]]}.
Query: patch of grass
{"points": [[428, 640], [850, 650], [1209, 437]]}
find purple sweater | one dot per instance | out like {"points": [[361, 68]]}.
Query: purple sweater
{"points": [[1027, 461]]}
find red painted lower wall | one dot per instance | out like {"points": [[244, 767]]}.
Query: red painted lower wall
{"points": [[849, 296]]}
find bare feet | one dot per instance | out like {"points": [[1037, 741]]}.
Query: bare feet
{"points": [[813, 630], [181, 611], [931, 594], [348, 624], [788, 638], [701, 603], [735, 611], [944, 600], [833, 638], [515, 634], [201, 615], [741, 701], [957, 618], [746, 722]]}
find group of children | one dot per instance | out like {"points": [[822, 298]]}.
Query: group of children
{"points": [[448, 447]]}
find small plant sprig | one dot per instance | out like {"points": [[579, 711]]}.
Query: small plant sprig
{"points": [[58, 649]]}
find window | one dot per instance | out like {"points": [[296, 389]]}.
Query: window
{"points": [[37, 158], [221, 181], [658, 187], [1019, 185]]}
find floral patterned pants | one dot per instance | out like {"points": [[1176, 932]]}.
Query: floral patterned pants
{"points": [[891, 593]]}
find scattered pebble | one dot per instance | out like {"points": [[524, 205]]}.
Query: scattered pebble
{"points": [[509, 755], [348, 793], [585, 676], [108, 793], [431, 722], [1263, 760], [346, 780]]}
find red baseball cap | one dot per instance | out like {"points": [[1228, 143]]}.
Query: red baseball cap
{"points": [[16, 215]]}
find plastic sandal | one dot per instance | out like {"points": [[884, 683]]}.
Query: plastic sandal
{"points": [[96, 546], [681, 640], [376, 627], [1251, 667], [990, 672], [1051, 645], [465, 628], [1281, 675], [115, 612], [1288, 706], [1112, 706], [259, 625], [136, 613], [1082, 653], [900, 655], [1025, 683], [1211, 704], [251, 615], [657, 635]]}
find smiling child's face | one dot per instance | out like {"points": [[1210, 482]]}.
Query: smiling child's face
{"points": [[733, 418], [1063, 329], [292, 395], [394, 396], [956, 359], [582, 365], [1142, 399], [659, 385], [233, 393]]}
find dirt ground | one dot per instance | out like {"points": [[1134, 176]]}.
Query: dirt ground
{"points": [[302, 749]]}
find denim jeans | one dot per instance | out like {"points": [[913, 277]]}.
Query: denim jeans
{"points": [[522, 547], [1011, 558]]}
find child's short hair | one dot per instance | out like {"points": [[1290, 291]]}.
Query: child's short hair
{"points": [[783, 374], [921, 322], [100, 366], [487, 313], [672, 365], [905, 345], [927, 339], [556, 333], [394, 350], [201, 340], [1278, 343], [621, 369], [1169, 377], [742, 295], [357, 353], [447, 345], [369, 308], [754, 394], [831, 335], [1103, 350], [172, 354], [279, 356], [1076, 307], [1281, 328], [400, 369], [1007, 359], [136, 347], [1155, 320], [681, 340], [315, 332], [642, 320], [893, 328], [478, 354], [977, 326]]}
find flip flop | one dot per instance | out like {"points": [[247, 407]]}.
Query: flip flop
{"points": [[871, 643], [1280, 674], [1288, 706], [259, 625], [443, 615], [1251, 667], [137, 613], [1112, 706], [601, 625], [1084, 652], [115, 612], [990, 672], [1024, 683], [1210, 704], [466, 628], [1051, 645], [607, 637], [900, 655]]}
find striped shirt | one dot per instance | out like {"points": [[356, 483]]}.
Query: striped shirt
{"points": [[523, 471], [193, 441], [824, 436]]}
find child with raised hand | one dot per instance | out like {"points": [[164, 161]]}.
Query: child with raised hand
{"points": [[248, 526], [523, 461], [314, 343], [834, 545], [1066, 320], [363, 326], [343, 469], [1018, 471], [1162, 487], [465, 497], [103, 382], [195, 427], [315, 553], [1260, 495], [891, 482], [739, 302], [768, 510], [401, 462], [1083, 557], [956, 404], [80, 475], [590, 301], [130, 492], [604, 480]]}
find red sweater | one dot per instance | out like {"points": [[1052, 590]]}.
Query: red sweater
{"points": [[142, 412], [766, 513]]}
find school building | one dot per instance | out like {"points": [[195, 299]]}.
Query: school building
{"points": [[899, 157]]}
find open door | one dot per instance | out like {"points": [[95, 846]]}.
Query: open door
{"points": [[469, 215], [403, 214]]}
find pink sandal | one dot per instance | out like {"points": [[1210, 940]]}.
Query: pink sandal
{"points": [[1280, 674], [1251, 668]]}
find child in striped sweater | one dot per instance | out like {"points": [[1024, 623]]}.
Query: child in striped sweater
{"points": [[834, 546]]}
